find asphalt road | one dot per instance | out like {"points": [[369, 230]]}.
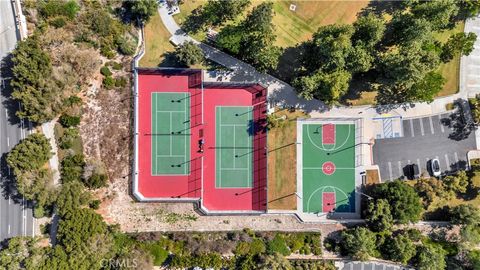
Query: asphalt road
{"points": [[15, 218], [424, 139]]}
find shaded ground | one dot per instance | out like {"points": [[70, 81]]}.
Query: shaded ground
{"points": [[282, 156]]}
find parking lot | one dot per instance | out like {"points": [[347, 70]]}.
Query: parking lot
{"points": [[424, 139]]}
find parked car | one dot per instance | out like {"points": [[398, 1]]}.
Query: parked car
{"points": [[435, 167], [414, 171]]}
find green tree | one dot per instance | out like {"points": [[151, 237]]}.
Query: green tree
{"points": [[430, 257], [96, 180], [472, 7], [327, 87], [399, 249], [77, 228], [405, 204], [358, 243], [229, 39], [465, 214], [474, 259], [438, 13], [407, 29], [378, 216], [30, 154], [469, 237], [140, 10], [431, 188], [71, 197], [72, 168], [31, 71], [278, 245], [218, 12], [457, 183], [189, 54], [368, 30], [20, 253], [458, 44], [52, 8], [258, 38]]}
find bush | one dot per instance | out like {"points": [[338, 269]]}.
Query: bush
{"points": [[96, 181], [48, 9], [58, 22], [95, 204], [38, 211], [68, 138], [158, 253], [107, 52], [125, 46], [115, 65], [105, 71], [120, 82], [72, 168], [72, 100], [69, 120], [108, 82], [278, 245]]}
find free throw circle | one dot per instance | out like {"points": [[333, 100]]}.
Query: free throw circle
{"points": [[328, 168]]}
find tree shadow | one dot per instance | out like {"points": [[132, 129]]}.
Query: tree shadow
{"points": [[289, 62], [381, 7], [357, 86], [460, 121], [8, 183], [196, 21], [8, 103]]}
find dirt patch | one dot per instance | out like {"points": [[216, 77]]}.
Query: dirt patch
{"points": [[282, 161]]}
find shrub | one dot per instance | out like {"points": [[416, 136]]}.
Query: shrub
{"points": [[54, 8], [107, 52], [72, 100], [108, 82], [120, 82], [95, 204], [96, 181], [58, 22], [68, 138], [72, 168], [159, 254], [105, 71], [69, 120], [38, 211], [115, 65], [125, 46], [278, 245]]}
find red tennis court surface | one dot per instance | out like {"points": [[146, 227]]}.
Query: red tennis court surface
{"points": [[199, 184], [328, 134], [328, 201]]}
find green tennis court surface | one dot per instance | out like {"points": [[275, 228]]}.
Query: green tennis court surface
{"points": [[170, 133], [234, 151], [328, 168]]}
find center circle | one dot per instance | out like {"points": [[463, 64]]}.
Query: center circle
{"points": [[328, 168]]}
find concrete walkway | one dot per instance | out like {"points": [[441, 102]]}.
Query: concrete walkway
{"points": [[49, 130], [282, 94]]}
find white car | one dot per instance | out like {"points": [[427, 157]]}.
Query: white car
{"points": [[435, 167]]}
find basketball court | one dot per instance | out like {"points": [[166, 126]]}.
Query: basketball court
{"points": [[327, 166]]}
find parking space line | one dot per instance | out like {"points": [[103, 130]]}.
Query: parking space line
{"points": [[431, 124], [419, 166], [390, 170], [421, 126], [448, 161], [456, 157], [400, 168], [441, 125], [411, 127]]}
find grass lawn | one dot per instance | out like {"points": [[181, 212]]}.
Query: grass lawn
{"points": [[157, 45], [282, 156], [450, 70]]}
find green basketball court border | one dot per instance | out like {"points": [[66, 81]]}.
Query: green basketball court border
{"points": [[170, 127], [312, 154], [234, 147]]}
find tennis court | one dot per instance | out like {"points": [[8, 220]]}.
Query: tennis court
{"points": [[328, 167], [170, 133], [234, 150]]}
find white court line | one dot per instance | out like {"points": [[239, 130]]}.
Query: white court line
{"points": [[185, 137], [411, 127], [390, 170], [233, 169], [171, 111], [400, 168], [170, 136], [431, 124], [234, 146], [441, 125], [421, 126], [448, 161]]}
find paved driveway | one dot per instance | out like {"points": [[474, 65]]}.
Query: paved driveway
{"points": [[371, 266], [424, 139]]}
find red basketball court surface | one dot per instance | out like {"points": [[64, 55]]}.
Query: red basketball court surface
{"points": [[180, 140]]}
